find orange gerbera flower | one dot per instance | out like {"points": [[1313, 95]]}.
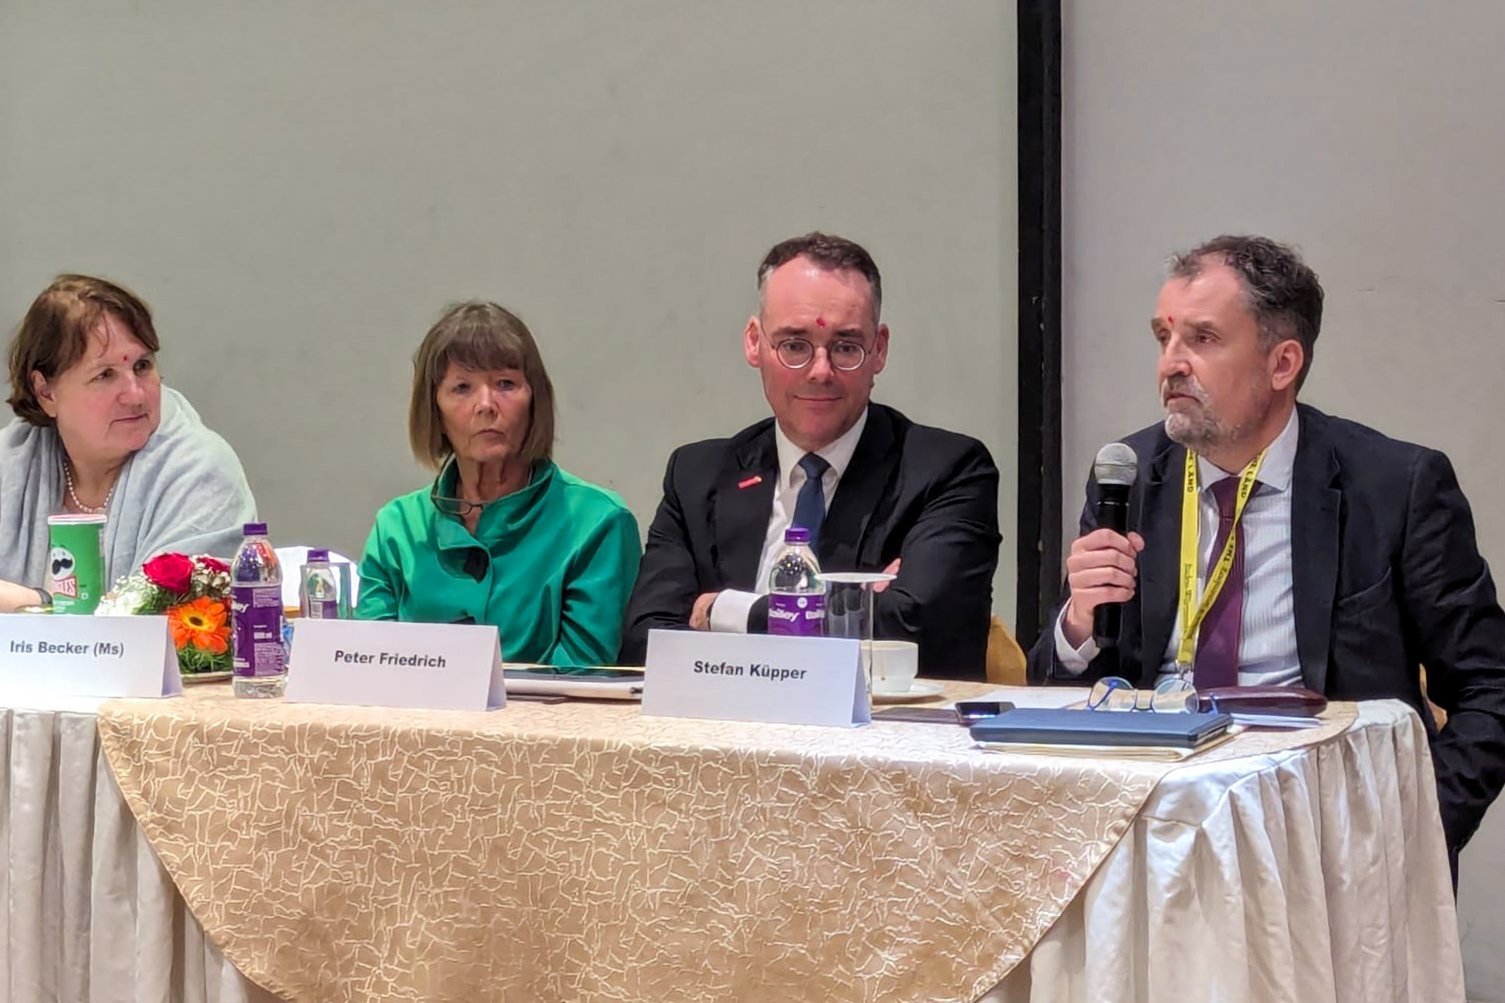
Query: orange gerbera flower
{"points": [[201, 623]]}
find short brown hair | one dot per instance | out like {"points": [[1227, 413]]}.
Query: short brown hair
{"points": [[1280, 290], [478, 336], [55, 334], [829, 253]]}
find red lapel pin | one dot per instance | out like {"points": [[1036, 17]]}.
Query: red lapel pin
{"points": [[748, 482]]}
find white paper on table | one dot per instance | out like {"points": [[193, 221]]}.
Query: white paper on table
{"points": [[1283, 721]]}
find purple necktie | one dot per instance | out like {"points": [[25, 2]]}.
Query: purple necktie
{"points": [[1218, 637]]}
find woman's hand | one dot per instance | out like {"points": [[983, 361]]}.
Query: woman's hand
{"points": [[13, 596]]}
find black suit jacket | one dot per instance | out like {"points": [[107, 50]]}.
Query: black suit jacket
{"points": [[919, 493], [1386, 577]]}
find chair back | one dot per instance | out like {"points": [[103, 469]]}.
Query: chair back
{"points": [[1005, 659], [1438, 714]]}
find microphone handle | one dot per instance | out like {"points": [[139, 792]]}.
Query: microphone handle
{"points": [[1107, 620], [1112, 513]]}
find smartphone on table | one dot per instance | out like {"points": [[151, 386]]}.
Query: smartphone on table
{"points": [[965, 713]]}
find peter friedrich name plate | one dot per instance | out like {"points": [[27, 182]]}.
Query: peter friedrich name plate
{"points": [[755, 677], [382, 663], [56, 661]]}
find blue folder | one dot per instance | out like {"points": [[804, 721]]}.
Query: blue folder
{"points": [[1054, 726]]}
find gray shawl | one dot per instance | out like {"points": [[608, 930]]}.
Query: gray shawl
{"points": [[183, 491]]}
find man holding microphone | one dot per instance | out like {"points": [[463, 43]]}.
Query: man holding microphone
{"points": [[1271, 544]]}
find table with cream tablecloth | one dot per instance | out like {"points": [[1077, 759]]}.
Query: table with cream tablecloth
{"points": [[587, 852]]}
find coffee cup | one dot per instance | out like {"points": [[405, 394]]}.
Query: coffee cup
{"points": [[895, 665]]}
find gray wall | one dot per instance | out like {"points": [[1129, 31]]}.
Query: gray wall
{"points": [[297, 189], [1371, 134]]}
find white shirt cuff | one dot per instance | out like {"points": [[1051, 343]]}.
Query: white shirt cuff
{"points": [[1072, 661], [730, 611]]}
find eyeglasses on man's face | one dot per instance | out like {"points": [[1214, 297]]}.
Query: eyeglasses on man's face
{"points": [[797, 353]]}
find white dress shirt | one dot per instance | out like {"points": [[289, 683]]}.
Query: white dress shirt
{"points": [[1267, 642], [730, 610]]}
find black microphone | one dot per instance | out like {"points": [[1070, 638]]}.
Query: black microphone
{"points": [[1115, 469]]}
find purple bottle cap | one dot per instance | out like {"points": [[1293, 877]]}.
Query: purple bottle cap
{"points": [[256, 529], [796, 534], [317, 554]]}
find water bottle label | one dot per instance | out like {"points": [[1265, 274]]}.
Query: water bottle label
{"points": [[803, 615], [257, 618], [321, 609]]}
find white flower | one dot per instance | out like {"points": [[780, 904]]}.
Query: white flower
{"points": [[128, 596]]}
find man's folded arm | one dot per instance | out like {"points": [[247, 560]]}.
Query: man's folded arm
{"points": [[667, 584], [1449, 596], [945, 582], [733, 610]]}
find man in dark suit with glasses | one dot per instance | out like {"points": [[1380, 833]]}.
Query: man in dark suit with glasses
{"points": [[876, 491]]}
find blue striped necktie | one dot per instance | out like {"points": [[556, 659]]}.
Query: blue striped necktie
{"points": [[810, 504]]}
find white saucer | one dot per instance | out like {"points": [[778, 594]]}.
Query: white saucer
{"points": [[918, 690]]}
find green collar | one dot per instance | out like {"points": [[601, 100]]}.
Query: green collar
{"points": [[502, 519]]}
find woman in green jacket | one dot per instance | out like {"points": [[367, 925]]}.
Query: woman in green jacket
{"points": [[502, 536]]}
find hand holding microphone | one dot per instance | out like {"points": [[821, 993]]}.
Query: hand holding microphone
{"points": [[1102, 567]]}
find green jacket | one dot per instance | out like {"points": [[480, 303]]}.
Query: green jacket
{"points": [[562, 558]]}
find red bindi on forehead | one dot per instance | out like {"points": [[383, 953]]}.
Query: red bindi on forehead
{"points": [[820, 322]]}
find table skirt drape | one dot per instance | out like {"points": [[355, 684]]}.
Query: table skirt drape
{"points": [[1312, 876], [91, 913]]}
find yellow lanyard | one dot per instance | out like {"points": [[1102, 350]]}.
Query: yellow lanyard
{"points": [[1190, 527]]}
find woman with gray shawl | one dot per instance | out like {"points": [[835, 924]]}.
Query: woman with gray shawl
{"points": [[97, 433]]}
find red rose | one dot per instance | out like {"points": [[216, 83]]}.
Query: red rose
{"points": [[169, 571], [214, 564]]}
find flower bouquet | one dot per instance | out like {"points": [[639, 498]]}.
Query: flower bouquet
{"points": [[194, 593]]}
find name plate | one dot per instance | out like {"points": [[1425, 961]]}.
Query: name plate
{"points": [[755, 677], [383, 663], [61, 662]]}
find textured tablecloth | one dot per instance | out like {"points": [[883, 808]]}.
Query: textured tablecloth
{"points": [[585, 850], [569, 851], [102, 922]]}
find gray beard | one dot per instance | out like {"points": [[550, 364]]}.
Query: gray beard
{"points": [[1203, 433], [1197, 433]]}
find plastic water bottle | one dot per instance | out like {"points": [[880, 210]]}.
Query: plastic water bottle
{"points": [[796, 595], [256, 616], [318, 592]]}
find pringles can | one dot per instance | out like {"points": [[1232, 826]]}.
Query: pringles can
{"points": [[76, 563]]}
